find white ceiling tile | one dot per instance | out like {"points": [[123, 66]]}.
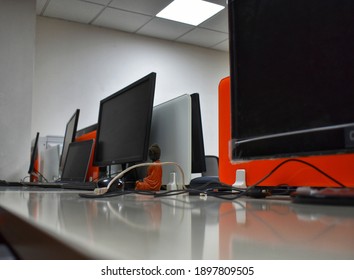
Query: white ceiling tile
{"points": [[138, 16], [121, 20], [203, 37], [165, 29], [219, 22], [73, 10], [102, 2], [219, 2], [223, 46], [150, 7]]}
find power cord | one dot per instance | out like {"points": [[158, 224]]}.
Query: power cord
{"points": [[36, 173], [101, 191], [300, 161]]}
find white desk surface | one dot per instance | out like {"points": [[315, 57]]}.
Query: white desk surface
{"points": [[182, 227]]}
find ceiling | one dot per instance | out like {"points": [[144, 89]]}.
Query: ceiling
{"points": [[138, 16]]}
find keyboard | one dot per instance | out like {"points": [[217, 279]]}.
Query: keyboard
{"points": [[84, 186], [4, 183], [89, 186]]}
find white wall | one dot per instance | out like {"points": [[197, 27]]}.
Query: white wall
{"points": [[17, 48], [78, 65]]}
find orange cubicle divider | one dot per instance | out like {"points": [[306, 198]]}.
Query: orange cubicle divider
{"points": [[93, 172], [340, 167], [34, 178]]}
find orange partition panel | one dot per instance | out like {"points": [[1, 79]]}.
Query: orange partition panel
{"points": [[34, 178], [340, 167]]}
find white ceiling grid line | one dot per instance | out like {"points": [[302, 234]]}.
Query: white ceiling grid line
{"points": [[139, 17]]}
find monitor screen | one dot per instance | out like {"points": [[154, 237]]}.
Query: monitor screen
{"points": [[70, 133], [124, 123], [292, 69], [77, 161]]}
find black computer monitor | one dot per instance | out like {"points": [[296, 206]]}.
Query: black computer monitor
{"points": [[292, 85], [198, 152], [77, 161], [124, 123], [34, 153], [70, 134]]}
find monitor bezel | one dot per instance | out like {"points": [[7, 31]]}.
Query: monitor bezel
{"points": [[306, 142], [87, 144], [138, 158], [64, 151]]}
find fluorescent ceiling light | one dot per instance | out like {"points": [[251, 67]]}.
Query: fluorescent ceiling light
{"points": [[191, 12]]}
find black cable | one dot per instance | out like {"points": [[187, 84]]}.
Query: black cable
{"points": [[251, 188], [282, 190], [38, 174], [300, 161], [116, 193], [219, 190], [227, 196], [170, 193], [98, 178], [202, 189]]}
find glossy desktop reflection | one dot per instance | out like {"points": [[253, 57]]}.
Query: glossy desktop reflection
{"points": [[184, 227]]}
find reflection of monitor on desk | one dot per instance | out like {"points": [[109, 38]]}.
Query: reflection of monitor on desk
{"points": [[124, 124], [291, 85]]}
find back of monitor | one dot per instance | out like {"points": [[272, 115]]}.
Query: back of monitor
{"points": [[171, 129], [50, 163]]}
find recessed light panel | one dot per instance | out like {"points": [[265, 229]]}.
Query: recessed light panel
{"points": [[191, 12]]}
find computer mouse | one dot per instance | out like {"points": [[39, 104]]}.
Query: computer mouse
{"points": [[116, 185]]}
